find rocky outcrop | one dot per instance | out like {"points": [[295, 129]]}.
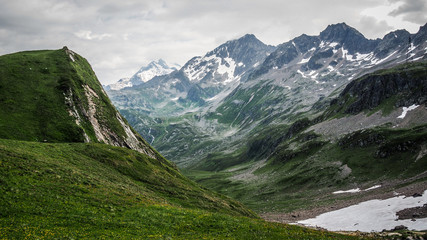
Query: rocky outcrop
{"points": [[406, 83]]}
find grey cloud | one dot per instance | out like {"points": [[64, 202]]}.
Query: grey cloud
{"points": [[370, 25], [118, 37], [411, 10]]}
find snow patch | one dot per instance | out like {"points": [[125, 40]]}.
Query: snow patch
{"points": [[302, 74], [371, 216], [355, 190], [227, 68], [304, 60], [333, 44], [411, 48], [361, 56], [416, 59], [378, 61], [372, 188], [406, 110]]}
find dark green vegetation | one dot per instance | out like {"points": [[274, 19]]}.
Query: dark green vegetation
{"points": [[54, 186], [32, 104]]}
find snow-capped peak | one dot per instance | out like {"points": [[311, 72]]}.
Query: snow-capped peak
{"points": [[153, 69], [145, 74], [122, 83]]}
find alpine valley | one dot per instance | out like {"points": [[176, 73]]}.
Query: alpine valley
{"points": [[71, 167], [288, 129]]}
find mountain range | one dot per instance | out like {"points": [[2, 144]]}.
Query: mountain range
{"points": [[286, 124], [286, 130], [212, 98]]}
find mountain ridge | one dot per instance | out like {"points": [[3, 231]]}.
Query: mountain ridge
{"points": [[287, 83]]}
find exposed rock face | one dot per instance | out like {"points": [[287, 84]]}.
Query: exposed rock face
{"points": [[349, 38], [410, 85], [105, 134], [95, 114], [392, 42]]}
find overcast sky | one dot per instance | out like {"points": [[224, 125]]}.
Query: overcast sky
{"points": [[120, 36]]}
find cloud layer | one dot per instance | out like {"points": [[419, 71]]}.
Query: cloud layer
{"points": [[118, 37]]}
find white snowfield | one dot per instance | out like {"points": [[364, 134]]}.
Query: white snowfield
{"points": [[356, 190], [406, 110], [371, 216]]}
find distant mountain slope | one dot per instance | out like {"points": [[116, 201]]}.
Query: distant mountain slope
{"points": [[371, 133], [144, 74], [199, 81], [200, 112]]}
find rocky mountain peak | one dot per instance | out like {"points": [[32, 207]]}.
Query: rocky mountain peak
{"points": [[238, 49], [337, 32], [227, 63], [347, 37], [420, 36], [304, 42]]}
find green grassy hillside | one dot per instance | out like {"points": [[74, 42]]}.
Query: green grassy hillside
{"points": [[78, 190], [32, 104], [54, 96]]}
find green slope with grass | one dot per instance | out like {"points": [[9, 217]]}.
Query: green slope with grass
{"points": [[32, 104], [78, 190], [54, 96]]}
